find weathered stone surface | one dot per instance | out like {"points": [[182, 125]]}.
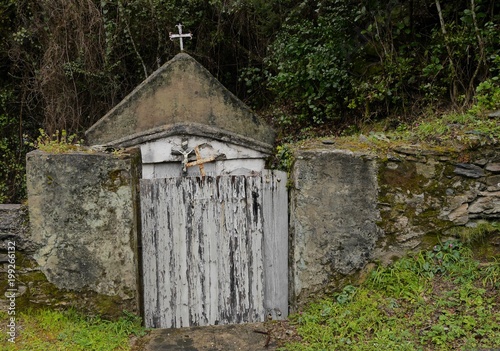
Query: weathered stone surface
{"points": [[244, 337], [427, 169], [493, 167], [347, 210], [418, 150], [460, 215], [455, 202], [83, 219], [417, 200], [495, 114], [493, 183], [469, 170], [182, 97], [9, 218], [14, 227], [486, 206], [481, 162], [333, 217]]}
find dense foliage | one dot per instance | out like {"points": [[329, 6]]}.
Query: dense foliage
{"points": [[309, 67]]}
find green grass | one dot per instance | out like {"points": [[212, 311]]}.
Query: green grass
{"points": [[471, 235], [449, 129], [44, 330], [442, 299]]}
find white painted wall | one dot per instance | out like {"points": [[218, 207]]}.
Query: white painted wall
{"points": [[160, 161]]}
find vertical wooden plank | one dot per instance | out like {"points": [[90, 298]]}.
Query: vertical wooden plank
{"points": [[197, 245], [275, 204], [211, 222], [181, 229], [255, 238], [194, 253], [164, 252], [241, 251], [224, 249], [149, 245]]}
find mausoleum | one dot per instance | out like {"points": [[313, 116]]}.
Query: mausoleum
{"points": [[201, 237]]}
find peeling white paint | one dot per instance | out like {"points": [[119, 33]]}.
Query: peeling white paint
{"points": [[214, 249]]}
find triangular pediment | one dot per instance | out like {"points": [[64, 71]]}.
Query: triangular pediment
{"points": [[181, 97]]}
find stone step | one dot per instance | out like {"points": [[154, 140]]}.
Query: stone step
{"points": [[240, 337]]}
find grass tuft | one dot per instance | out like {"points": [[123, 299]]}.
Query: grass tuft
{"points": [[43, 330]]}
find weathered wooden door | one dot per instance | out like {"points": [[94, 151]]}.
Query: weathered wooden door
{"points": [[215, 249]]}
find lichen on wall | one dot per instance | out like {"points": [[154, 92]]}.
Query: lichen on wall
{"points": [[83, 220], [355, 206], [443, 193], [333, 217]]}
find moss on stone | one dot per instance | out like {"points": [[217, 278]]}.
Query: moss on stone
{"points": [[37, 292], [405, 177]]}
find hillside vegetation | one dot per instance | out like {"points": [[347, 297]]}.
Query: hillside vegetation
{"points": [[310, 68], [441, 299]]}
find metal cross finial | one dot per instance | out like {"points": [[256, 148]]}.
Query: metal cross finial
{"points": [[180, 36]]}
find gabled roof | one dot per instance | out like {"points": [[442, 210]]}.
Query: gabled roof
{"points": [[181, 98]]}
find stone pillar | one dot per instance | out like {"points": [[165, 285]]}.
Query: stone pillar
{"points": [[83, 216], [333, 218]]}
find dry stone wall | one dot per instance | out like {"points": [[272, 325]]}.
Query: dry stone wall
{"points": [[352, 208], [13, 239], [436, 193]]}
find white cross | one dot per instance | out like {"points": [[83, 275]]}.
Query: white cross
{"points": [[180, 36]]}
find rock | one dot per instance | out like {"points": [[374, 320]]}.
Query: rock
{"points": [[409, 150], [493, 183], [469, 170], [486, 205], [455, 202], [393, 158], [493, 167], [417, 150], [495, 114], [460, 216], [481, 162], [427, 170], [9, 217], [392, 165]]}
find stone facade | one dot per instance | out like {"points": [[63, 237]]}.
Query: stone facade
{"points": [[349, 206], [434, 193], [84, 207], [13, 227], [348, 210]]}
